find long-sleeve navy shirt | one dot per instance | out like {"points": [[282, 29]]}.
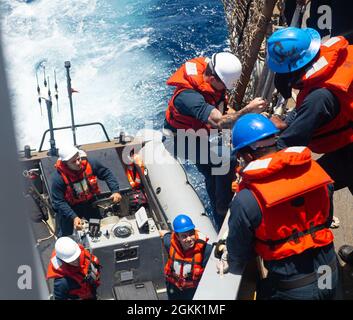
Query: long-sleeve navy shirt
{"points": [[318, 108], [62, 287], [191, 103], [58, 188]]}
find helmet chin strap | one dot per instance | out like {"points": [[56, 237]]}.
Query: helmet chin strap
{"points": [[263, 143], [283, 84]]}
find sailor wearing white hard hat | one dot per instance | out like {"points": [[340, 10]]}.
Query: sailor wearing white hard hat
{"points": [[75, 271], [75, 188], [200, 103]]}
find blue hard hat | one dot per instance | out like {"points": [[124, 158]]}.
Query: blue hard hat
{"points": [[250, 128], [290, 49], [183, 223]]}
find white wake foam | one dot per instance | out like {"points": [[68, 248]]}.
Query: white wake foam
{"points": [[106, 49]]}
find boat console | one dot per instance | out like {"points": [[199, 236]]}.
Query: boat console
{"points": [[132, 257]]}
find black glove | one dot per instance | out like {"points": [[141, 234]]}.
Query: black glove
{"points": [[220, 247]]}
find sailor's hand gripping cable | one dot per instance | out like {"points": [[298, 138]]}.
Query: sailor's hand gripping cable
{"points": [[221, 253]]}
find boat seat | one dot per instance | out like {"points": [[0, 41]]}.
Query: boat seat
{"points": [[108, 157]]}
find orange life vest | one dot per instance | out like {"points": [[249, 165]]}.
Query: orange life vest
{"points": [[81, 186], [87, 274], [184, 269], [332, 69], [132, 174], [291, 190], [190, 76]]}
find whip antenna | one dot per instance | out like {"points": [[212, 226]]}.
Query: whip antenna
{"points": [[56, 92], [48, 101], [69, 91], [39, 99], [45, 80]]}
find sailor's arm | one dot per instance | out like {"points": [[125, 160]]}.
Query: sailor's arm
{"points": [[162, 233], [318, 108], [244, 218], [166, 238], [217, 120], [192, 103], [105, 174], [60, 205], [61, 289]]}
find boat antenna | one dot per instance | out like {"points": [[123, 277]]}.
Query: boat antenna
{"points": [[53, 151], [49, 92], [56, 92], [45, 80], [69, 91], [39, 99]]}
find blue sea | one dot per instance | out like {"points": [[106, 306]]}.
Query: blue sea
{"points": [[121, 52]]}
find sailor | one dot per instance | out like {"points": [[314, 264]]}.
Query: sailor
{"points": [[323, 117], [188, 253], [75, 187], [282, 213], [75, 271], [199, 103]]}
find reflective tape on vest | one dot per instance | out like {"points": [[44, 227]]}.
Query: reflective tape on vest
{"points": [[295, 149], [330, 42], [258, 164], [317, 66], [191, 68]]}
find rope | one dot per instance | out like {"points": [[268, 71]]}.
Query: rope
{"points": [[51, 232]]}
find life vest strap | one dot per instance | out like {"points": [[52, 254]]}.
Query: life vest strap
{"points": [[294, 236], [301, 282]]}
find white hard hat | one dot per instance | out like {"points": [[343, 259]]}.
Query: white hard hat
{"points": [[227, 67], [67, 249], [67, 152]]}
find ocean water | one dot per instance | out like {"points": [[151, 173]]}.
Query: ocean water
{"points": [[121, 53]]}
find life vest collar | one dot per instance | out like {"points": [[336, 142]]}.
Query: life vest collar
{"points": [[71, 174], [270, 164], [332, 58], [191, 76]]}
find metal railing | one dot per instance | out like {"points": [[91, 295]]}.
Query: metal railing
{"points": [[76, 126]]}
